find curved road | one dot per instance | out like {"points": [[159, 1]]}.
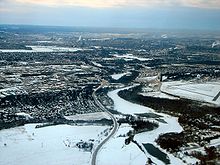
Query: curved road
{"points": [[114, 129]]}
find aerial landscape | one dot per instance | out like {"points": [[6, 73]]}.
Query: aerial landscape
{"points": [[144, 90]]}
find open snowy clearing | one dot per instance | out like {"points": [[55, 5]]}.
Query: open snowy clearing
{"points": [[118, 76], [115, 152], [43, 49], [11, 91], [158, 95], [131, 57], [26, 145], [148, 79], [131, 154], [88, 116], [205, 92]]}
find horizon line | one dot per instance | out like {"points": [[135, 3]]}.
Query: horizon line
{"points": [[115, 27]]}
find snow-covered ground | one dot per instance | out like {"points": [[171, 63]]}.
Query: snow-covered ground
{"points": [[158, 94], [44, 41], [131, 57], [88, 116], [97, 64], [26, 145], [116, 152], [205, 92], [11, 91], [148, 79], [118, 76], [43, 49]]}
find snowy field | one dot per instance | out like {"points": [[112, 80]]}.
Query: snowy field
{"points": [[12, 91], [148, 79], [205, 92], [89, 116], [115, 152], [128, 57], [43, 49], [118, 76], [26, 145], [158, 95]]}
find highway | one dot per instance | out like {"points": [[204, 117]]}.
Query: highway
{"points": [[113, 130]]}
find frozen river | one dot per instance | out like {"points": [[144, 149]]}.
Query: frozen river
{"points": [[116, 152]]}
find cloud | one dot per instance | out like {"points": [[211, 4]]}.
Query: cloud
{"points": [[4, 10], [215, 4], [125, 3], [82, 3]]}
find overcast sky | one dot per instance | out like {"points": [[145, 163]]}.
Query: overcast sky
{"points": [[180, 14]]}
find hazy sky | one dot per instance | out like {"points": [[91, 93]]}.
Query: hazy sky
{"points": [[183, 14]]}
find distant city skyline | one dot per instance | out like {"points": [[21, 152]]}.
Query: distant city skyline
{"points": [[168, 14]]}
